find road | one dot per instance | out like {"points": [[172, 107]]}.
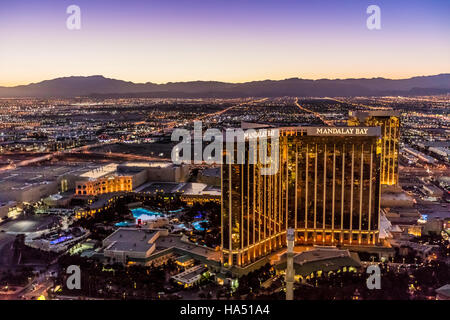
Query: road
{"points": [[435, 172], [124, 156], [318, 115], [172, 124]]}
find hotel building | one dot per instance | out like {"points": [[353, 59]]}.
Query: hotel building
{"points": [[389, 121], [104, 185], [327, 188]]}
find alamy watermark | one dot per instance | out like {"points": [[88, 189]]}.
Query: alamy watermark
{"points": [[263, 147], [73, 21], [374, 280], [373, 22], [74, 280]]}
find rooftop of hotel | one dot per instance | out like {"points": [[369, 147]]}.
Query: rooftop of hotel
{"points": [[121, 169], [172, 241], [193, 188], [22, 178], [153, 164], [100, 171], [320, 254], [186, 188], [130, 239], [160, 187], [320, 258], [190, 274]]}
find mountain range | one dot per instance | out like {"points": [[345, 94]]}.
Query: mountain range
{"points": [[99, 86]]}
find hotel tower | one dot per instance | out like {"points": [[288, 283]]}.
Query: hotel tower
{"points": [[389, 121], [327, 188]]}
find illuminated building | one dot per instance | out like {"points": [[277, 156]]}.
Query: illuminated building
{"points": [[185, 261], [389, 121], [327, 189], [104, 185], [190, 277]]}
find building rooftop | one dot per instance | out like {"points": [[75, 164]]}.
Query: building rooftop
{"points": [[100, 171], [155, 164], [184, 258], [321, 259], [130, 239], [161, 187], [190, 275], [191, 249], [25, 177], [199, 189]]}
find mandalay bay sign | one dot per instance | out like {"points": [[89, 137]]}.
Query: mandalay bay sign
{"points": [[343, 131]]}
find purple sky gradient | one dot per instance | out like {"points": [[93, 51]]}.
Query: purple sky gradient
{"points": [[226, 40]]}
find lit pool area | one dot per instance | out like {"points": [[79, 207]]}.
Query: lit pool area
{"points": [[125, 224], [176, 211], [197, 225], [145, 214], [140, 214], [61, 239]]}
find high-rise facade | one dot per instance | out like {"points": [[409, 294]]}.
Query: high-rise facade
{"points": [[326, 188], [389, 121]]}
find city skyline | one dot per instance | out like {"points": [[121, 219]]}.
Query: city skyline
{"points": [[234, 42]]}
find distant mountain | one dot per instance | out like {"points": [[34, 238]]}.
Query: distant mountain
{"points": [[99, 86]]}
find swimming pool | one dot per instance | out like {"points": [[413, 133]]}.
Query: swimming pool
{"points": [[125, 224], [176, 211], [145, 214], [142, 214], [197, 225]]}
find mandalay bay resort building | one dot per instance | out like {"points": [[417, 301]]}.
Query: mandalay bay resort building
{"points": [[326, 187], [389, 122]]}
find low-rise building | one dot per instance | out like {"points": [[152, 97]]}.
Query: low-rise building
{"points": [[58, 241], [185, 261], [420, 250], [8, 209], [154, 247], [190, 277], [130, 244], [318, 261]]}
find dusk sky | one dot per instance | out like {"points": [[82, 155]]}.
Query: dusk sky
{"points": [[225, 40]]}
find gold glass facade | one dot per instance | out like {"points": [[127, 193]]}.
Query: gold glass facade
{"points": [[326, 188], [389, 121]]}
